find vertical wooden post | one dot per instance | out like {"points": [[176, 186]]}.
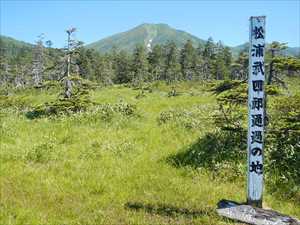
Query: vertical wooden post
{"points": [[256, 105]]}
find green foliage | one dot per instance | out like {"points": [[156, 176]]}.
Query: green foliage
{"points": [[224, 86], [220, 152], [173, 92], [287, 63], [122, 67], [140, 65], [187, 58], [125, 108], [168, 60], [235, 92], [239, 67], [282, 145], [41, 153], [78, 102], [172, 66], [108, 110], [283, 140], [188, 119], [14, 47], [141, 94], [231, 98], [160, 34], [62, 106], [15, 102], [50, 84], [221, 62], [273, 90], [209, 49], [80, 86], [157, 62]]}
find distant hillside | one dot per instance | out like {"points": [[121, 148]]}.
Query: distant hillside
{"points": [[152, 34], [290, 51], [294, 51], [11, 47], [145, 34]]}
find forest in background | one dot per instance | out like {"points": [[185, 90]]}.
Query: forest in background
{"points": [[24, 65]]}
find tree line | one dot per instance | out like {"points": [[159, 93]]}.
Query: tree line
{"points": [[166, 62]]}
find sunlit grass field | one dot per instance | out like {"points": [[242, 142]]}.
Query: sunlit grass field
{"points": [[85, 170]]}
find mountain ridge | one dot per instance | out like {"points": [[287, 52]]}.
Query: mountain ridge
{"points": [[11, 47], [160, 33], [147, 34], [142, 34]]}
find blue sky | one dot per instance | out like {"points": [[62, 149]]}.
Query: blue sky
{"points": [[222, 20]]}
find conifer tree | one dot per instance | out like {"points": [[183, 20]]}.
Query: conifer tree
{"points": [[122, 67], [199, 63], [220, 70], [227, 55], [187, 60], [275, 47], [209, 49], [209, 57], [239, 68], [172, 68], [140, 65], [85, 61], [156, 62], [104, 72]]}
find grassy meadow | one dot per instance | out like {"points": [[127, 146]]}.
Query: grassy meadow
{"points": [[87, 170]]}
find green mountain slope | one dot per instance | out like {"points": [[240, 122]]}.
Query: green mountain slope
{"points": [[294, 51], [153, 34], [290, 51], [11, 47], [145, 34]]}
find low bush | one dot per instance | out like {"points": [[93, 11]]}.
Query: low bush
{"points": [[62, 106], [15, 102], [220, 152], [141, 94], [107, 111], [283, 143], [41, 153], [173, 93], [194, 118], [79, 101]]}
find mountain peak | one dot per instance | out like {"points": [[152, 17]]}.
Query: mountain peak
{"points": [[151, 34], [144, 34], [154, 25]]}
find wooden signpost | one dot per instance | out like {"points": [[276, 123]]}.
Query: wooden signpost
{"points": [[252, 211], [256, 111]]}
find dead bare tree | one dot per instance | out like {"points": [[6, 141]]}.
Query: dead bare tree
{"points": [[72, 46], [5, 68], [38, 66]]}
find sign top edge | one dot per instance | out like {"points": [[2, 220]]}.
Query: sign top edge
{"points": [[258, 17]]}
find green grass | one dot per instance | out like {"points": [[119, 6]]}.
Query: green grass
{"points": [[79, 170]]}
